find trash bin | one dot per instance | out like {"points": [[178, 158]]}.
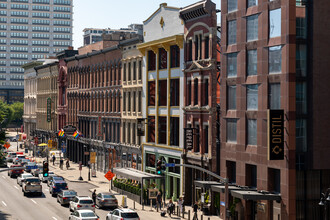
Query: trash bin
{"points": [[21, 146]]}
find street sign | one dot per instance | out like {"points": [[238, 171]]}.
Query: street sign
{"points": [[31, 167], [92, 157], [109, 175], [6, 145], [50, 142], [169, 164], [49, 109], [189, 138], [86, 153], [222, 203]]}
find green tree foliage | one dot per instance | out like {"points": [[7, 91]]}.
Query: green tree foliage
{"points": [[18, 110], [6, 114]]}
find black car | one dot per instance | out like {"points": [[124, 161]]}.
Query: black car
{"points": [[65, 196], [52, 178]]}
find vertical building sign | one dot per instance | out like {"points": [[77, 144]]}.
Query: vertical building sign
{"points": [[275, 130], [49, 109], [188, 138]]}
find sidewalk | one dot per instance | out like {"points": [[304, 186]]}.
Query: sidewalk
{"points": [[103, 185]]}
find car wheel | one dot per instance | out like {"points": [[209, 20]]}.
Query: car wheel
{"points": [[24, 193]]}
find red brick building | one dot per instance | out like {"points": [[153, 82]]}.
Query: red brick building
{"points": [[200, 91]]}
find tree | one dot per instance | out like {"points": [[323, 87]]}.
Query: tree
{"points": [[6, 114], [18, 110]]}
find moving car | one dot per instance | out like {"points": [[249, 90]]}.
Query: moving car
{"points": [[36, 171], [57, 186], [81, 202], [21, 178], [65, 196], [52, 178], [10, 156], [18, 158], [30, 164], [15, 173], [106, 199], [122, 214], [45, 178], [32, 185], [24, 162], [83, 215]]}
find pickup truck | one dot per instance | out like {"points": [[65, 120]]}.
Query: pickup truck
{"points": [[32, 185]]}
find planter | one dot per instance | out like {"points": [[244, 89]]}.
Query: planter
{"points": [[129, 195]]}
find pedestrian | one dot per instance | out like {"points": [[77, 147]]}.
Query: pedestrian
{"points": [[170, 207], [67, 164], [159, 200], [94, 196], [180, 204], [61, 163], [54, 158], [195, 211]]}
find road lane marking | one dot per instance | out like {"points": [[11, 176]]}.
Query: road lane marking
{"points": [[4, 203], [16, 187], [54, 218], [34, 201]]}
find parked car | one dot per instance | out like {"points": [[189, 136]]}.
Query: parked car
{"points": [[15, 173], [106, 199], [122, 214], [81, 202], [21, 178], [32, 185], [83, 215], [52, 178], [56, 186], [65, 196], [10, 156], [45, 178], [30, 164]]}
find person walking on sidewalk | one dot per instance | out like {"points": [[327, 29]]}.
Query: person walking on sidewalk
{"points": [[94, 196], [61, 163], [54, 158], [67, 164], [195, 211], [159, 200]]}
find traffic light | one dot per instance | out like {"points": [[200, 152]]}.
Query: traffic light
{"points": [[45, 169], [159, 167]]}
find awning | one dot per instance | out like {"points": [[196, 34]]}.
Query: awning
{"points": [[206, 184], [254, 195], [134, 174], [221, 188]]}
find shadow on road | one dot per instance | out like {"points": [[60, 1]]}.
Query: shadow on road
{"points": [[5, 216]]}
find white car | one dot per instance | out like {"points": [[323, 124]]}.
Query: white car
{"points": [[81, 202], [83, 215], [21, 178], [43, 178], [123, 214]]}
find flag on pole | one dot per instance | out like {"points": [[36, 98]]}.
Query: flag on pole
{"points": [[76, 134], [61, 133]]}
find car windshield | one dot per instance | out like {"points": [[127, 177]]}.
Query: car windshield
{"points": [[57, 178], [88, 214], [34, 180], [27, 175], [70, 193], [63, 185], [31, 164], [129, 215], [109, 196], [86, 201]]}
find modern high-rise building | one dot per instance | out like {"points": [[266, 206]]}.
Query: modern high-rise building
{"points": [[30, 30]]}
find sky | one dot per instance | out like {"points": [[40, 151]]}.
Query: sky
{"points": [[116, 14]]}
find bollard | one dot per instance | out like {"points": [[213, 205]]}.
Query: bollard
{"points": [[183, 213], [178, 211], [201, 216], [150, 204], [208, 218], [188, 214], [134, 205]]}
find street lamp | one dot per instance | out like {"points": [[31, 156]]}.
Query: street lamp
{"points": [[17, 139], [89, 163], [325, 200]]}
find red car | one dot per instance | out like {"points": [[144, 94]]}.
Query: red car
{"points": [[15, 173]]}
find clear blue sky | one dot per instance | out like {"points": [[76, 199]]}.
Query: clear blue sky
{"points": [[116, 13]]}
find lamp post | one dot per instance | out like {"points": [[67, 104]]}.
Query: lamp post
{"points": [[324, 201], [89, 163], [17, 139]]}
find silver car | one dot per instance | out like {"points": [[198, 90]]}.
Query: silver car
{"points": [[122, 214], [81, 202], [106, 199], [65, 196], [45, 178], [21, 178], [83, 215]]}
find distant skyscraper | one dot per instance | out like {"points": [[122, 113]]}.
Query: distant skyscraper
{"points": [[30, 30]]}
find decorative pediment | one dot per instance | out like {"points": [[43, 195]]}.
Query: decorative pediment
{"points": [[199, 65]]}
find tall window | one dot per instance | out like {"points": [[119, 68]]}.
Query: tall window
{"points": [[301, 28], [189, 92], [175, 56], [140, 70], [206, 139], [275, 59], [301, 98], [274, 96], [252, 28], [151, 129], [162, 128], [252, 64], [175, 92], [206, 47], [231, 97], [133, 133], [140, 101], [231, 65], [174, 131], [129, 133], [129, 71], [198, 46], [151, 93], [275, 23], [134, 70], [231, 171], [124, 132], [252, 97], [232, 5], [301, 135], [301, 57], [231, 34], [129, 101], [196, 91], [190, 50], [151, 60], [252, 132], [274, 180], [232, 130], [134, 102], [251, 175], [162, 92], [206, 92], [162, 59], [251, 3]]}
